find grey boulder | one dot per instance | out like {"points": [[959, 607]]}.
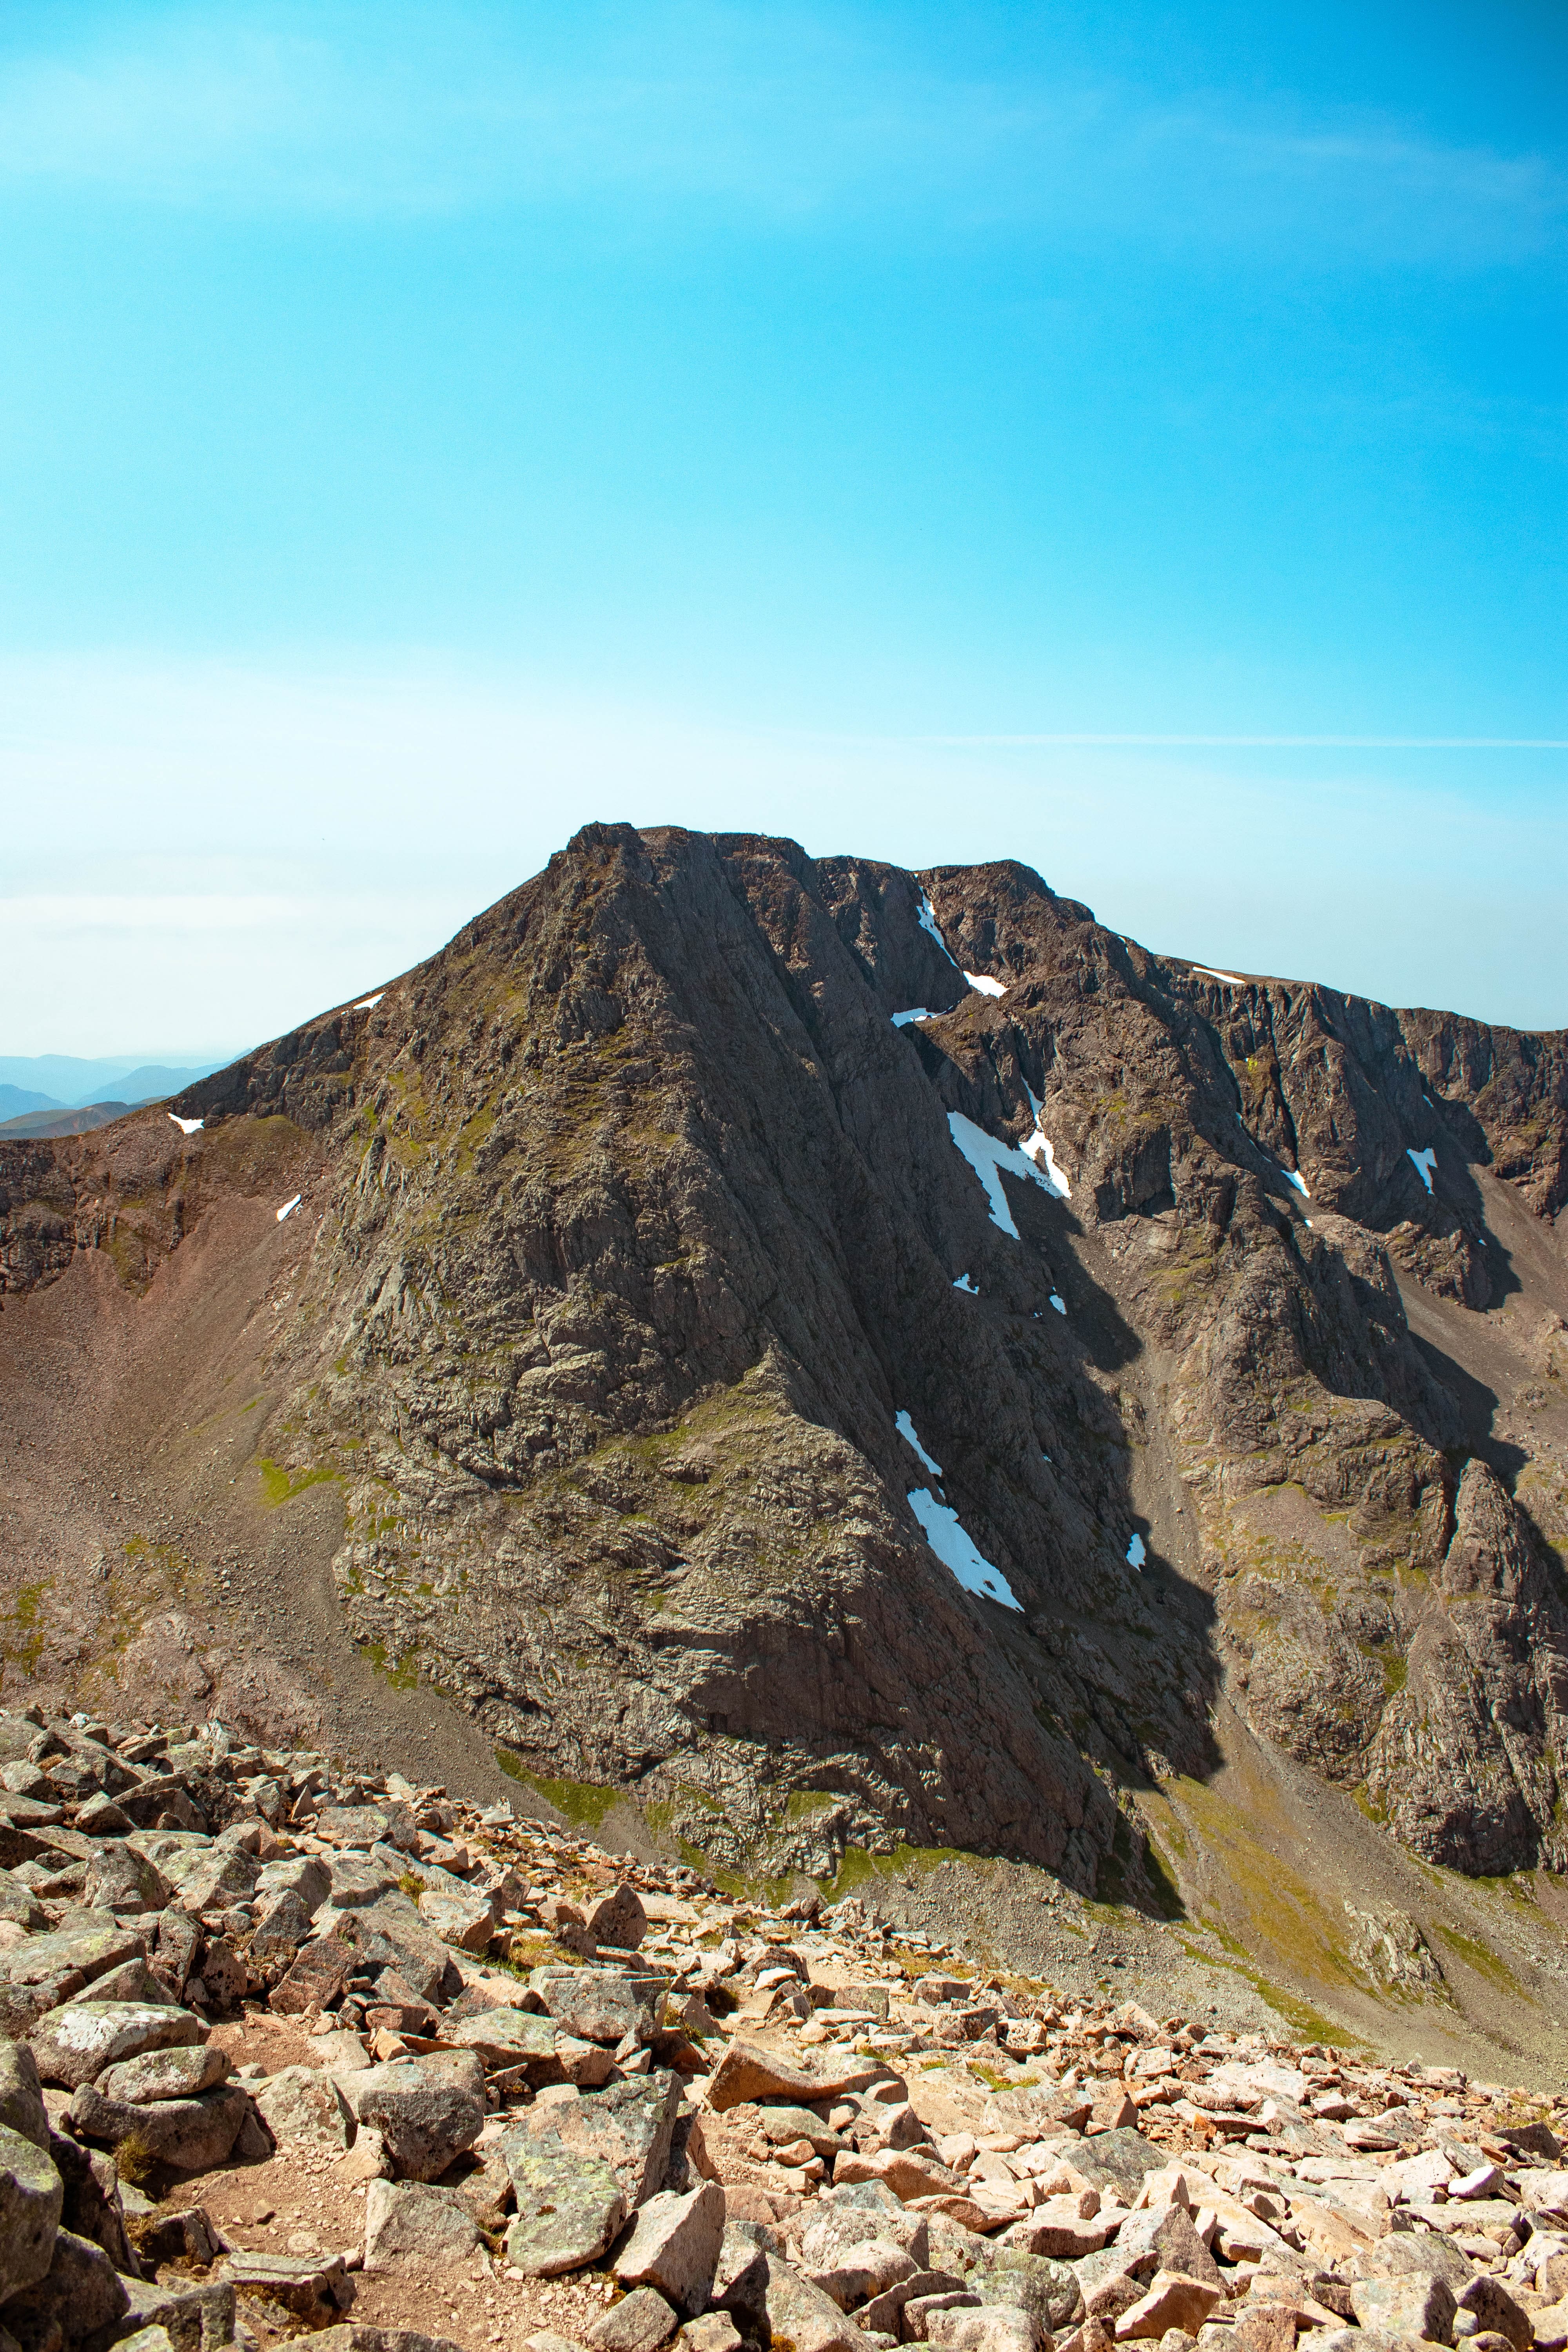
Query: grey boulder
{"points": [[640, 2322], [123, 1881], [31, 2195], [188, 2135], [600, 2004], [426, 2111], [674, 2246], [21, 2100], [181, 2073], [79, 2292], [569, 2205], [408, 2223], [304, 2107], [75, 2043]]}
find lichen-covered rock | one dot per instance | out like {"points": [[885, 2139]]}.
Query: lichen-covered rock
{"points": [[74, 2043], [31, 2193], [569, 2205], [79, 2292], [191, 2134], [304, 2107], [407, 2222], [21, 2096], [425, 2115]]}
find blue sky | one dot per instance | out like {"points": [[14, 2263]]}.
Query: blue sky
{"points": [[1127, 438]]}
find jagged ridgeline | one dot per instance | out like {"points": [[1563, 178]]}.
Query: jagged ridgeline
{"points": [[854, 1359]]}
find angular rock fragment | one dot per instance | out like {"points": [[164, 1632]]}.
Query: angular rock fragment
{"points": [[124, 1882], [408, 2224], [674, 2246], [316, 1977], [599, 2004], [618, 1918], [640, 2322], [189, 2135], [747, 2072], [31, 2195], [310, 2289], [569, 2205], [302, 2107], [177, 2072], [425, 2115], [192, 2314], [77, 2292], [74, 2043], [21, 2098], [466, 1921]]}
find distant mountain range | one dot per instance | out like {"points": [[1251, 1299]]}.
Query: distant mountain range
{"points": [[59, 1094]]}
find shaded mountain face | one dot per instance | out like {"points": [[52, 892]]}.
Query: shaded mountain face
{"points": [[833, 1427]]}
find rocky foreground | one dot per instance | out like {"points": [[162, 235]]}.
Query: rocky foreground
{"points": [[288, 2052]]}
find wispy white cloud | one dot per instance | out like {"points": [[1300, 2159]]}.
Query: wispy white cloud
{"points": [[1260, 742], [778, 117]]}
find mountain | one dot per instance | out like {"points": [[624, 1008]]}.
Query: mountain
{"points": [[16, 1102], [57, 1121], [1114, 1421], [151, 1081], [72, 1081]]}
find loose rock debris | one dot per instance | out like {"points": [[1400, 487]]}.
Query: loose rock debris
{"points": [[286, 2052]]}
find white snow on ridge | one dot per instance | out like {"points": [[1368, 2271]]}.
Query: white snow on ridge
{"points": [[1425, 1164], [1037, 1148], [928, 923], [1209, 973], [957, 1551], [185, 1126], [986, 986], [966, 1282], [1136, 1555], [369, 1003], [988, 1158], [906, 1429], [289, 1206]]}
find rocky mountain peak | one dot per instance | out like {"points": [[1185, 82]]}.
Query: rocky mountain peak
{"points": [[852, 1361]]}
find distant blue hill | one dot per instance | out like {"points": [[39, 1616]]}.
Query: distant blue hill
{"points": [[70, 1080], [16, 1101]]}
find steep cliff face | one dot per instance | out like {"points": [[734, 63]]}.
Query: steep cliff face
{"points": [[839, 1427]]}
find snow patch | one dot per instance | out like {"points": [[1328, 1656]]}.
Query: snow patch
{"points": [[1294, 1176], [369, 1003], [289, 1206], [915, 1012], [988, 1158], [1058, 1302], [185, 1126], [928, 924], [1136, 1555], [966, 1282], [1037, 1148], [1425, 1164], [906, 1430], [1209, 973], [986, 986], [957, 1551]]}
